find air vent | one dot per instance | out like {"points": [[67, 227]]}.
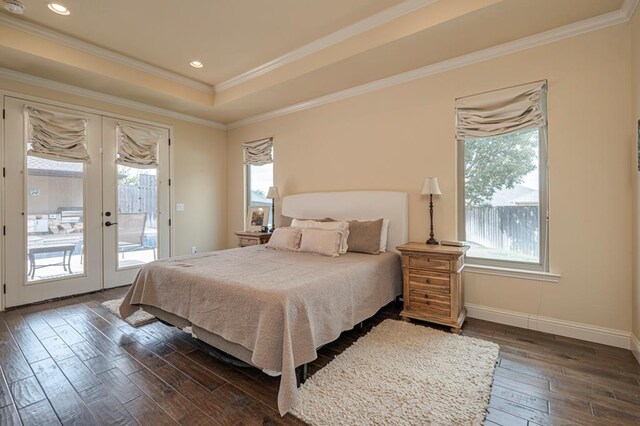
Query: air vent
{"points": [[14, 6]]}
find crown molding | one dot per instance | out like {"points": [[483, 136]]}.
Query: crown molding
{"points": [[87, 93], [619, 16], [629, 7], [345, 33], [40, 31]]}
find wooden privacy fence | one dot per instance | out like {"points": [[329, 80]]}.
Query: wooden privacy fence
{"points": [[511, 228], [140, 198]]}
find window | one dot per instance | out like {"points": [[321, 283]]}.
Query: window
{"points": [[55, 218], [503, 196], [259, 179], [56, 156], [258, 159]]}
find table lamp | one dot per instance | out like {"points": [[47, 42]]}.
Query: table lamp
{"points": [[431, 188], [273, 195]]}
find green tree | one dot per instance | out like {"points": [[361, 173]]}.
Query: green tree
{"points": [[128, 176], [498, 162]]}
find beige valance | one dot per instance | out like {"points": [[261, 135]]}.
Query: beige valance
{"points": [[258, 153], [501, 111], [138, 146], [55, 135]]}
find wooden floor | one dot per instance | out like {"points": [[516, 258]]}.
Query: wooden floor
{"points": [[73, 362]]}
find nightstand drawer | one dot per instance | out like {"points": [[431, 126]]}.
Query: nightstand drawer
{"points": [[429, 281], [437, 301], [252, 238], [248, 242], [427, 262], [430, 304]]}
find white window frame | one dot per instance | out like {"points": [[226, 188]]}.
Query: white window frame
{"points": [[543, 201]]}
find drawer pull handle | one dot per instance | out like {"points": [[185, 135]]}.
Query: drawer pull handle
{"points": [[426, 296], [428, 281]]}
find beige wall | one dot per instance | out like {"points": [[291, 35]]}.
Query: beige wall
{"points": [[635, 55], [392, 138], [199, 170]]}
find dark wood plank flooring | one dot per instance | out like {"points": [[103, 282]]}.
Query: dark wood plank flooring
{"points": [[72, 362]]}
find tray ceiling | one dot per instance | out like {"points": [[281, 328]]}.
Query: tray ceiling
{"points": [[263, 55]]}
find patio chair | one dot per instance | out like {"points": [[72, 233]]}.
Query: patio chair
{"points": [[131, 232]]}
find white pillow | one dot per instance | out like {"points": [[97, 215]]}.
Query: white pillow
{"points": [[339, 226], [287, 239], [321, 241], [383, 235]]}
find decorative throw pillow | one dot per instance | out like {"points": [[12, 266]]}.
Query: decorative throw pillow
{"points": [[339, 226], [321, 241], [285, 221], [383, 235], [364, 236], [285, 239]]}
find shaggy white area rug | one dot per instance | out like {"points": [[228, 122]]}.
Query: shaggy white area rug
{"points": [[136, 319], [402, 374]]}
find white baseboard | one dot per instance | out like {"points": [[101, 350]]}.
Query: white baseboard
{"points": [[635, 347], [576, 330]]}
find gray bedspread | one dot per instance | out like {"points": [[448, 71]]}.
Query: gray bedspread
{"points": [[279, 305]]}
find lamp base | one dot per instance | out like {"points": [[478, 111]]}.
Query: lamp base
{"points": [[432, 241]]}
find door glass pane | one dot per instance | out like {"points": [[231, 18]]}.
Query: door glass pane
{"points": [[502, 197], [55, 219], [137, 216]]}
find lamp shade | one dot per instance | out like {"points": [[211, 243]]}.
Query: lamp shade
{"points": [[430, 186], [273, 193]]}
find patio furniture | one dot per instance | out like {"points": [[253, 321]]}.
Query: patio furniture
{"points": [[131, 232], [65, 249]]}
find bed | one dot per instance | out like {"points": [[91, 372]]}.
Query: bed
{"points": [[273, 309]]}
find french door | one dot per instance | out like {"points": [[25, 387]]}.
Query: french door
{"points": [[78, 226], [136, 207]]}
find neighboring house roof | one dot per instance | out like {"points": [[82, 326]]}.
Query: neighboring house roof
{"points": [[528, 199], [519, 195], [258, 198], [43, 167]]}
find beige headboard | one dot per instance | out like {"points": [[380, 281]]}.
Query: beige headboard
{"points": [[361, 205]]}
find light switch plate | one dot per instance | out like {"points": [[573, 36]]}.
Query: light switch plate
{"points": [[179, 207]]}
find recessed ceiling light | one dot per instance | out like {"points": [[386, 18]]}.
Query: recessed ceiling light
{"points": [[196, 64], [59, 9]]}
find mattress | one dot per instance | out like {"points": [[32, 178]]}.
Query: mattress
{"points": [[279, 306]]}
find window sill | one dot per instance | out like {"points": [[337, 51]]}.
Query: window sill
{"points": [[513, 273]]}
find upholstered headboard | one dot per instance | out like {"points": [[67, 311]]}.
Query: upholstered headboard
{"points": [[361, 205]]}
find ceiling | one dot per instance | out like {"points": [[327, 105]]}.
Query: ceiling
{"points": [[230, 37], [261, 55]]}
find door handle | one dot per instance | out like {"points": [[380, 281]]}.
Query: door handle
{"points": [[107, 223]]}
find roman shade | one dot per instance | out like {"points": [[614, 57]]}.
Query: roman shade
{"points": [[501, 111], [55, 135], [138, 146], [258, 153]]}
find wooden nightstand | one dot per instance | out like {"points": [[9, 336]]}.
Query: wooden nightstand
{"points": [[252, 238], [433, 287]]}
